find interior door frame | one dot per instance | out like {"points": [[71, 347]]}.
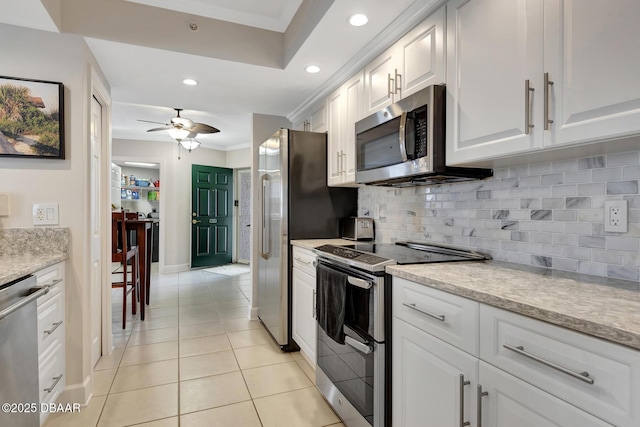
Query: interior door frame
{"points": [[237, 196], [100, 92]]}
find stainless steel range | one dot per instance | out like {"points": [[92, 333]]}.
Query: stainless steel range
{"points": [[354, 323]]}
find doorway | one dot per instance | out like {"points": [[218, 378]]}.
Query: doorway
{"points": [[212, 216], [244, 216], [96, 230]]}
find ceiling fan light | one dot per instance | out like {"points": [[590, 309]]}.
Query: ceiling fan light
{"points": [[178, 134], [190, 143]]}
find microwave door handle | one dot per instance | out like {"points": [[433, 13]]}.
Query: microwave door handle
{"points": [[403, 136]]}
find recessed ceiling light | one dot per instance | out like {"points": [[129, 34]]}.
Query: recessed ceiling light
{"points": [[312, 69], [190, 82], [358, 20]]}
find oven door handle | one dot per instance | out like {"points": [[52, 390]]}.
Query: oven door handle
{"points": [[361, 347], [364, 284]]}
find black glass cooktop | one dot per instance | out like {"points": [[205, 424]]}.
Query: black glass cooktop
{"points": [[401, 253]]}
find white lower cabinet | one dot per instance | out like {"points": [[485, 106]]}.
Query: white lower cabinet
{"points": [[51, 336], [550, 376], [304, 302], [433, 382], [511, 402]]}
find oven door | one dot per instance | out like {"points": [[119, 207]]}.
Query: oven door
{"points": [[351, 375]]}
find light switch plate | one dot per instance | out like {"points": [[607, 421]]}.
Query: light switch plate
{"points": [[45, 214], [4, 204]]}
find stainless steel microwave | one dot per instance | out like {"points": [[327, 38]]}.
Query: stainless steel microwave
{"points": [[404, 144]]}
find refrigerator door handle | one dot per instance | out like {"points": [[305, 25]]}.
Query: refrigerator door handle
{"points": [[265, 232]]}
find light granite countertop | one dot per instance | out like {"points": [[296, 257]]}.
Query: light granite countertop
{"points": [[13, 267], [314, 243], [605, 308]]}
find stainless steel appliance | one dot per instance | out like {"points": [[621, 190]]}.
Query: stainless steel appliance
{"points": [[404, 144], [354, 367], [295, 203], [356, 228], [19, 380]]}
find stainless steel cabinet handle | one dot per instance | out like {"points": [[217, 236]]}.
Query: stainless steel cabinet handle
{"points": [[55, 326], [527, 107], [547, 87], [363, 348], [300, 260], [54, 282], [56, 380], [479, 396], [463, 383], [412, 306], [389, 91], [398, 85], [359, 282], [582, 376], [314, 305], [338, 160], [343, 169], [24, 301]]}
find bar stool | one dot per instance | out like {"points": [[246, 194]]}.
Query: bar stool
{"points": [[127, 255]]}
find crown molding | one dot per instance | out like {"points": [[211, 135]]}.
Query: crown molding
{"points": [[405, 22]]}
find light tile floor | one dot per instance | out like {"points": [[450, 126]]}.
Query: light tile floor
{"points": [[198, 361]]}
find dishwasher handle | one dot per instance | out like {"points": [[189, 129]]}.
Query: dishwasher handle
{"points": [[24, 301]]}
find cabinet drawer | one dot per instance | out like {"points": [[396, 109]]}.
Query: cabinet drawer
{"points": [[535, 346], [50, 320], [304, 259], [52, 275], [449, 317], [52, 378]]}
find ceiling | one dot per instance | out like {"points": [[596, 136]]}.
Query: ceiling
{"points": [[248, 56]]}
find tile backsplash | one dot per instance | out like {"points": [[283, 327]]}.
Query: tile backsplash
{"points": [[545, 214]]}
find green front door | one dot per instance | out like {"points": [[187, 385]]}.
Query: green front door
{"points": [[211, 216]]}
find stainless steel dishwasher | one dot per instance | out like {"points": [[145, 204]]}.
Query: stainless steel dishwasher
{"points": [[19, 392]]}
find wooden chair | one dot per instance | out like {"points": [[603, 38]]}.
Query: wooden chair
{"points": [[125, 254]]}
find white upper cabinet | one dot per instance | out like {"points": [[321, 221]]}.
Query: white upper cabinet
{"points": [[413, 63], [493, 49], [578, 57], [345, 108], [317, 122], [591, 55]]}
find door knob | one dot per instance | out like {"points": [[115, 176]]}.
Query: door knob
{"points": [[195, 221]]}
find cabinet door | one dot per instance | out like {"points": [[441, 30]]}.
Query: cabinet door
{"points": [[354, 110], [304, 321], [513, 402], [426, 384], [493, 47], [318, 119], [422, 55], [380, 82], [591, 55], [335, 138]]}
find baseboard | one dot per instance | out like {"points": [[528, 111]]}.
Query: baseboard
{"points": [[253, 313], [77, 393], [176, 268]]}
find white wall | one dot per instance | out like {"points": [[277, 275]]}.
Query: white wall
{"points": [[63, 58], [239, 159], [263, 127], [175, 192]]}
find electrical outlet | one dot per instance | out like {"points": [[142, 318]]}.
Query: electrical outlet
{"points": [[615, 216], [45, 214]]}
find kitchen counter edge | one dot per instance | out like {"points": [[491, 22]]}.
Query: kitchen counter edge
{"points": [[13, 267], [596, 306]]}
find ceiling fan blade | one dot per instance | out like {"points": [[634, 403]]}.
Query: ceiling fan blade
{"points": [[202, 128], [149, 121], [162, 128]]}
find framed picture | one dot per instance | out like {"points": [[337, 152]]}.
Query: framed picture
{"points": [[31, 118]]}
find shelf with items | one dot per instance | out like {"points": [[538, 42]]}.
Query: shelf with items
{"points": [[135, 193]]}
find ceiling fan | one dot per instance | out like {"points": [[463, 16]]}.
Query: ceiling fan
{"points": [[183, 130]]}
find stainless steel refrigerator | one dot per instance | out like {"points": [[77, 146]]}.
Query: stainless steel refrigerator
{"points": [[295, 203]]}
